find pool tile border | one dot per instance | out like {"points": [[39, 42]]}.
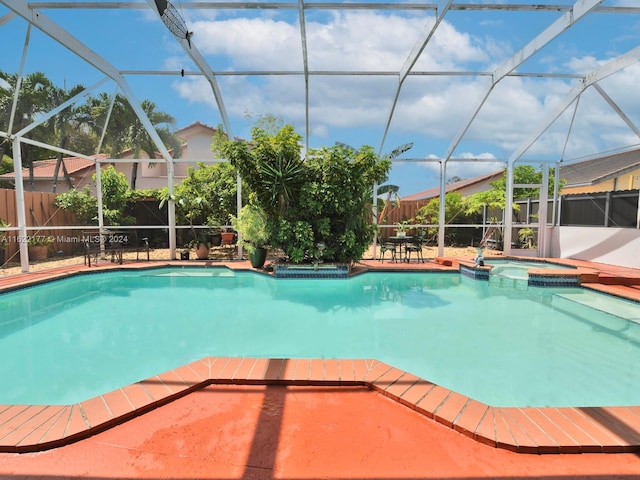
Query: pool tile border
{"points": [[28, 428]]}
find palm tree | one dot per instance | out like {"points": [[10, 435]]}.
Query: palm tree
{"points": [[36, 97], [125, 130], [140, 140], [64, 125], [96, 114], [392, 200]]}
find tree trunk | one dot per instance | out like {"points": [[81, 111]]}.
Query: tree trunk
{"points": [[60, 162], [55, 172], [26, 159], [134, 175]]}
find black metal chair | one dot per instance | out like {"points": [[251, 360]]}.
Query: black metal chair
{"points": [[387, 247], [416, 246]]}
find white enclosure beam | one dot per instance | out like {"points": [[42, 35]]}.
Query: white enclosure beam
{"points": [[43, 118], [7, 18], [543, 205], [617, 109], [192, 51], [609, 68], [409, 6], [579, 10], [305, 66], [410, 61], [615, 65], [441, 217], [106, 122], [53, 148], [60, 35], [18, 86], [20, 206], [100, 211]]}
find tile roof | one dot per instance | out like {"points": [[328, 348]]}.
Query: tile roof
{"points": [[43, 169], [585, 172], [452, 187], [595, 170], [193, 126]]}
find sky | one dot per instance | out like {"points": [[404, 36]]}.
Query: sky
{"points": [[433, 106]]}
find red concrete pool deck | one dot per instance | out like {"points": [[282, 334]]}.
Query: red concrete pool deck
{"points": [[25, 428], [297, 433], [523, 430]]}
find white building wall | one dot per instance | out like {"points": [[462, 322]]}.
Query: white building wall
{"points": [[613, 246], [199, 148]]}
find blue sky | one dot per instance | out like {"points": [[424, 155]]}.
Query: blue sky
{"points": [[431, 109]]}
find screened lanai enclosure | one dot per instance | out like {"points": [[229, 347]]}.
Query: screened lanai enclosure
{"points": [[474, 86]]}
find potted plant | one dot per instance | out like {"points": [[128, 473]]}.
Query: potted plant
{"points": [[251, 224], [527, 237], [38, 246], [401, 228], [227, 236], [192, 206], [215, 236]]}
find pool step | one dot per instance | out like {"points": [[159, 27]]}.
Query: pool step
{"points": [[508, 282], [603, 303], [611, 279], [311, 271]]}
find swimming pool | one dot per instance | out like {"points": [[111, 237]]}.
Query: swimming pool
{"points": [[518, 269], [70, 340]]}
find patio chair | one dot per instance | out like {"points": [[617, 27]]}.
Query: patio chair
{"points": [[387, 247], [416, 246]]}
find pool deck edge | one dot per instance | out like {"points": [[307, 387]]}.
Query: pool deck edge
{"points": [[29, 428]]}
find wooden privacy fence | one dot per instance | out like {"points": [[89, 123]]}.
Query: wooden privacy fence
{"points": [[42, 219], [404, 210]]}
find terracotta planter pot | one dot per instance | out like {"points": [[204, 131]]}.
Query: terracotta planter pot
{"points": [[202, 251], [228, 238], [38, 252]]}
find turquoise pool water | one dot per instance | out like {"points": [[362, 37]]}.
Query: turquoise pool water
{"points": [[518, 269], [66, 341]]}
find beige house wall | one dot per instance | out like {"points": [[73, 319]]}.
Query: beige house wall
{"points": [[154, 175], [627, 181]]}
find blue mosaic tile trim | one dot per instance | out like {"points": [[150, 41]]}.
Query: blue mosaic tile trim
{"points": [[324, 271], [554, 280], [475, 273]]}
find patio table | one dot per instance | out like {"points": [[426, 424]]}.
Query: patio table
{"points": [[402, 240]]}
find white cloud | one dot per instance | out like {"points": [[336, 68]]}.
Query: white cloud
{"points": [[465, 169], [250, 43], [431, 109]]}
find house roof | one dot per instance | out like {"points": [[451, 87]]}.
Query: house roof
{"points": [[596, 170], [452, 187], [185, 131], [184, 134], [44, 169]]}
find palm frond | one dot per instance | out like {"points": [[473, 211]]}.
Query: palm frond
{"points": [[396, 152]]}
